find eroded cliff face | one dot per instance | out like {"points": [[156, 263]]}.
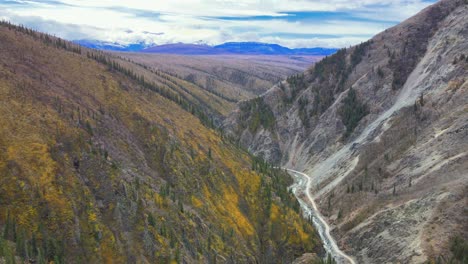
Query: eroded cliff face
{"points": [[382, 130]]}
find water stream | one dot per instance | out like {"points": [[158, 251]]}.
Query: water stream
{"points": [[302, 184]]}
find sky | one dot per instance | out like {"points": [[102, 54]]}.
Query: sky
{"points": [[291, 23]]}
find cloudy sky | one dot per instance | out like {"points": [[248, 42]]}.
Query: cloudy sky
{"points": [[292, 23]]}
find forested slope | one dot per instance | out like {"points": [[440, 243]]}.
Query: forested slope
{"points": [[101, 165]]}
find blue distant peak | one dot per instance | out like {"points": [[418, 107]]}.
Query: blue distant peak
{"points": [[112, 46], [234, 48], [253, 48]]}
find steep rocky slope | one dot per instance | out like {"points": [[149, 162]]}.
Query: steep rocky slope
{"points": [[382, 129], [100, 164]]}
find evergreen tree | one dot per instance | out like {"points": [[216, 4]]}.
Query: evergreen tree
{"points": [[352, 111]]}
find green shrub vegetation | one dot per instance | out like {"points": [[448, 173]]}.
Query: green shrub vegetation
{"points": [[255, 114], [352, 111]]}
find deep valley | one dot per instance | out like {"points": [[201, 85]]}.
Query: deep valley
{"points": [[360, 156]]}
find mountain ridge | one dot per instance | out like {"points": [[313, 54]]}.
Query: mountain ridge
{"points": [[106, 161], [228, 48], [111, 46], [365, 124]]}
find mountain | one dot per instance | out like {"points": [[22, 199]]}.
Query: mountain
{"points": [[104, 160], [253, 48], [232, 48], [315, 51], [112, 46], [256, 48], [236, 48], [183, 49], [381, 129]]}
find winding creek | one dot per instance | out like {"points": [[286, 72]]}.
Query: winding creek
{"points": [[302, 184], [343, 157]]}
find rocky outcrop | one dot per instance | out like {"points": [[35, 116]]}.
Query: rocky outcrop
{"points": [[381, 129]]}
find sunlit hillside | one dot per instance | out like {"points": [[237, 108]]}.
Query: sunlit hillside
{"points": [[100, 163], [233, 77]]}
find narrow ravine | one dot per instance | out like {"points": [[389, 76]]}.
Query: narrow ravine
{"points": [[302, 184], [340, 163]]}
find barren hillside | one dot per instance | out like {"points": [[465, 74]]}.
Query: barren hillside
{"points": [[382, 129]]}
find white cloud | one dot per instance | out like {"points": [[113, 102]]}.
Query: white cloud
{"points": [[127, 21]]}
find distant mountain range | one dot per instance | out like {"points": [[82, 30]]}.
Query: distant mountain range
{"points": [[101, 45], [235, 48], [269, 49]]}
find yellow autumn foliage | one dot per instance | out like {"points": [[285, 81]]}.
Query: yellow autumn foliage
{"points": [[82, 109], [230, 205], [275, 212], [196, 202]]}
